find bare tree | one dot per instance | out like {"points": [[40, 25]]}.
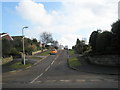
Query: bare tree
{"points": [[46, 38]]}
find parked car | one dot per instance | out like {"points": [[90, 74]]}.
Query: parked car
{"points": [[53, 52]]}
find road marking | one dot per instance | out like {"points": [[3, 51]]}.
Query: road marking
{"points": [[44, 71], [52, 62], [95, 80], [81, 80], [41, 60], [38, 81], [51, 81], [56, 57], [68, 81], [47, 68], [65, 80], [37, 78]]}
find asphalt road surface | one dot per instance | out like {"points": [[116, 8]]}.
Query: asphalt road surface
{"points": [[53, 72]]}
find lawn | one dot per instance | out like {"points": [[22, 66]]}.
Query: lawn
{"points": [[74, 62], [45, 53], [71, 52], [34, 57], [19, 65]]}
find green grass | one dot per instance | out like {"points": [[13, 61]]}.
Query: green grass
{"points": [[19, 65], [45, 53], [33, 57], [74, 62], [71, 52]]}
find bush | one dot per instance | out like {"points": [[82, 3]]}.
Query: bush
{"points": [[6, 46], [15, 53]]}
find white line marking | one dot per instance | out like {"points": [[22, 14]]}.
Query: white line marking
{"points": [[81, 80], [38, 81], [52, 62], [51, 81], [44, 71], [56, 57], [95, 80], [36, 78], [41, 60], [65, 80], [47, 68]]}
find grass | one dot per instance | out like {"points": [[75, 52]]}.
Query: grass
{"points": [[34, 57], [71, 52], [74, 62], [19, 65], [45, 53]]}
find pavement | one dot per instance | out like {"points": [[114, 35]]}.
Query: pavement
{"points": [[86, 66], [7, 68]]}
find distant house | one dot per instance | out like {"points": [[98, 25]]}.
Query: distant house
{"points": [[17, 37], [5, 36]]}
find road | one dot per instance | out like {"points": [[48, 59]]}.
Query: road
{"points": [[53, 72]]}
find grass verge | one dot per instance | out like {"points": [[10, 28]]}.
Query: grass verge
{"points": [[34, 57], [45, 53], [19, 65], [71, 52], [74, 62]]}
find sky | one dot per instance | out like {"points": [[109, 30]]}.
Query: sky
{"points": [[66, 20]]}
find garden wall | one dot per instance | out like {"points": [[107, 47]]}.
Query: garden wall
{"points": [[6, 60], [107, 60]]}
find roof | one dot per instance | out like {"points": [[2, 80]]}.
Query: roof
{"points": [[6, 36]]}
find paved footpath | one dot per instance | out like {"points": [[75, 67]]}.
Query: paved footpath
{"points": [[92, 68]]}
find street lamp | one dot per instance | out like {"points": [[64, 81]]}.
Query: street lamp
{"points": [[23, 45]]}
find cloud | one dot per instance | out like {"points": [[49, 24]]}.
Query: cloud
{"points": [[69, 39], [34, 12], [74, 16]]}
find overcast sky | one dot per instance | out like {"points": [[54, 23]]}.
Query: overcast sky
{"points": [[67, 20]]}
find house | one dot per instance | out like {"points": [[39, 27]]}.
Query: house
{"points": [[17, 37], [5, 36]]}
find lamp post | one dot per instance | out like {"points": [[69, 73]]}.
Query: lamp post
{"points": [[23, 45]]}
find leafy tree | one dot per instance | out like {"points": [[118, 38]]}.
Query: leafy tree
{"points": [[92, 40], [31, 45], [73, 47], [15, 53], [18, 43], [6, 47], [116, 37], [34, 41], [103, 42], [77, 46], [116, 27], [80, 46]]}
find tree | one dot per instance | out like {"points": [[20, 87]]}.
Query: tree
{"points": [[80, 46], [92, 40], [35, 42], [15, 53], [77, 46], [18, 43], [103, 42], [116, 36], [116, 27], [6, 47], [46, 38]]}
